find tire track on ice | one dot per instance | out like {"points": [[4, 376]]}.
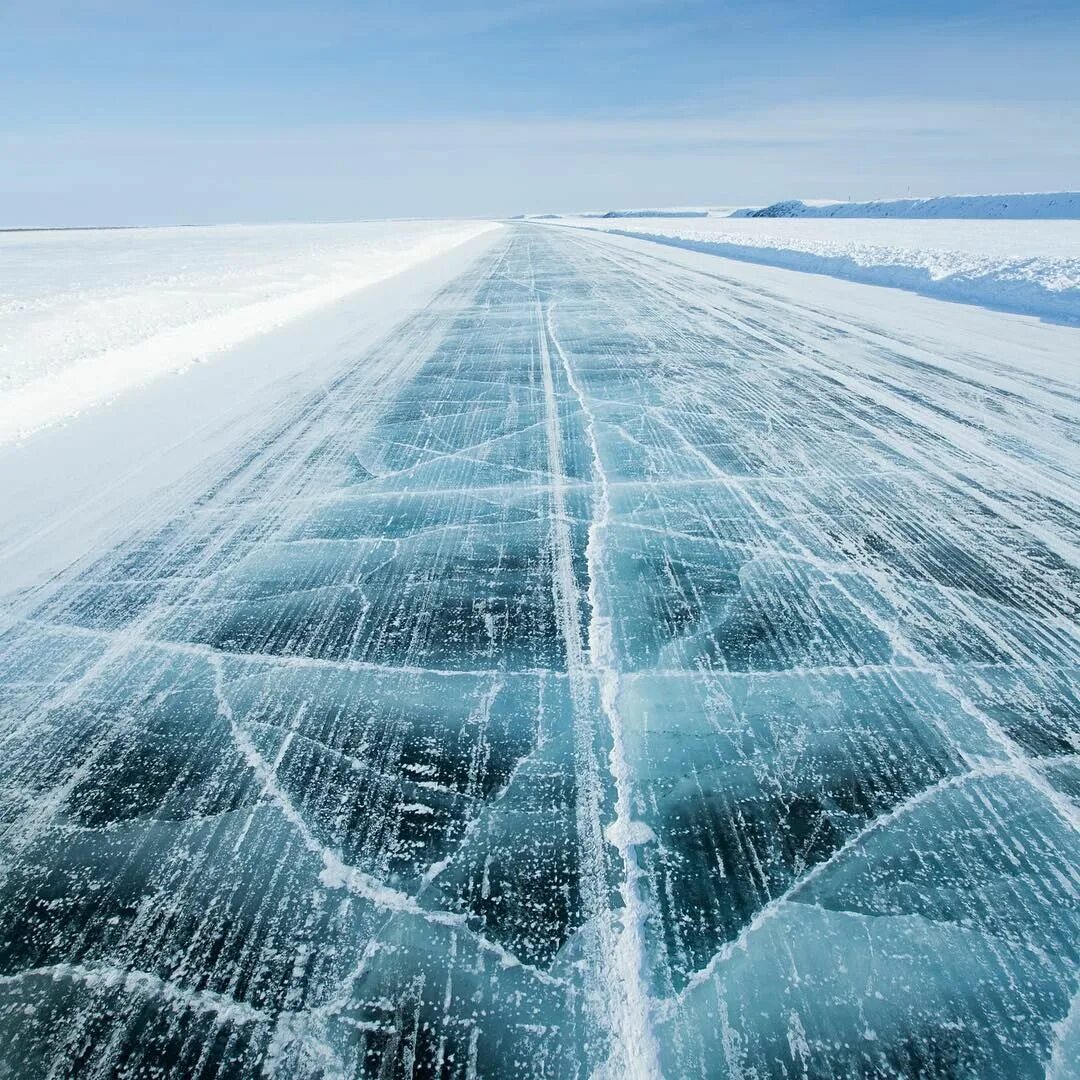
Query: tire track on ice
{"points": [[634, 1052]]}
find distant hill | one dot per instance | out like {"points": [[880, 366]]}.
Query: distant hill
{"points": [[1056, 205], [654, 214]]}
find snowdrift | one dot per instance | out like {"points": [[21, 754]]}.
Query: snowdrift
{"points": [[86, 314], [1029, 268]]}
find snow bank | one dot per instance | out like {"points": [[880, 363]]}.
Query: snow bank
{"points": [[84, 315], [1056, 205], [1029, 267]]}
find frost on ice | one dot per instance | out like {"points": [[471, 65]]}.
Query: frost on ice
{"points": [[610, 674]]}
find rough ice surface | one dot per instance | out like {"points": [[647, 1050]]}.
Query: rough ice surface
{"points": [[612, 674]]}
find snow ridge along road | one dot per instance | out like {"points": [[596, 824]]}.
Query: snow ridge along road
{"points": [[1024, 267], [87, 314], [632, 665]]}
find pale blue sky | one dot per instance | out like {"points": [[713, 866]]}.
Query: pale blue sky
{"points": [[127, 112]]}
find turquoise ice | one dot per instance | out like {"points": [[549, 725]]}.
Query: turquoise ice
{"points": [[619, 671]]}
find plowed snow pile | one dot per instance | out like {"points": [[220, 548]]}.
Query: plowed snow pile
{"points": [[1029, 267]]}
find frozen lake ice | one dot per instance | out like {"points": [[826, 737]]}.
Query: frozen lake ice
{"points": [[621, 670]]}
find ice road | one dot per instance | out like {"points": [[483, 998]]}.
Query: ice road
{"points": [[634, 665]]}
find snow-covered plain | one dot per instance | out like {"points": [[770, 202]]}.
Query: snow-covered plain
{"points": [[87, 314], [1028, 267]]}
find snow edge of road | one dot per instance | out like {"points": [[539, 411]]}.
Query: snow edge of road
{"points": [[78, 487], [60, 396], [999, 290]]}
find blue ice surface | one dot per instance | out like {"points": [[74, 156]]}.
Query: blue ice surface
{"points": [[585, 683]]}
